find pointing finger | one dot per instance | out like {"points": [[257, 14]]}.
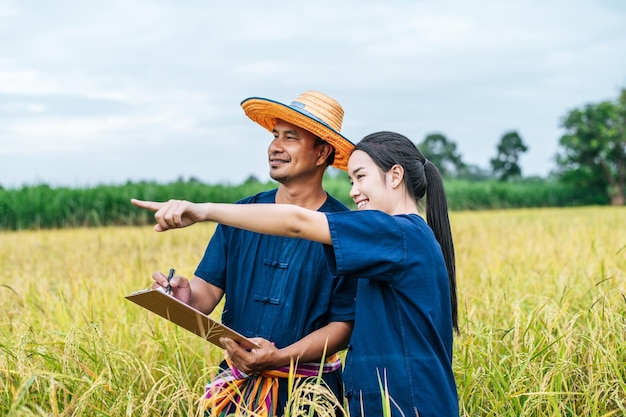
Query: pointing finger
{"points": [[150, 205]]}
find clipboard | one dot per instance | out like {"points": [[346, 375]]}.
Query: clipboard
{"points": [[187, 317]]}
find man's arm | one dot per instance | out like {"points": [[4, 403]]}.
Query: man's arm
{"points": [[330, 339], [204, 296]]}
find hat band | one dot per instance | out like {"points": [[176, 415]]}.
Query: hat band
{"points": [[299, 107]]}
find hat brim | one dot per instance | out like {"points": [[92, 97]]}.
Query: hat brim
{"points": [[266, 112]]}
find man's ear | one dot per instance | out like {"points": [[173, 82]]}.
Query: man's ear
{"points": [[324, 152], [396, 175]]}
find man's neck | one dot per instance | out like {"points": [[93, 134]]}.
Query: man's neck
{"points": [[310, 197]]}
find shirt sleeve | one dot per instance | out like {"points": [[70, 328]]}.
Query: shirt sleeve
{"points": [[343, 299], [367, 244], [212, 267]]}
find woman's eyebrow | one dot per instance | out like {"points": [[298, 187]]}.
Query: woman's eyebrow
{"points": [[356, 170]]}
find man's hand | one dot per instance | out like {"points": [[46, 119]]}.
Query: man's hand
{"points": [[179, 286], [253, 361]]}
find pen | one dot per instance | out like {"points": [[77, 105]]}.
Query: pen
{"points": [[169, 278]]}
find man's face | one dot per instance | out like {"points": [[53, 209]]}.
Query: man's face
{"points": [[292, 154]]}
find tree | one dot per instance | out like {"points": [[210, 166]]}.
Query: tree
{"points": [[593, 154], [505, 165], [473, 172], [443, 153]]}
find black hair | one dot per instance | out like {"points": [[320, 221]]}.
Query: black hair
{"points": [[421, 178]]}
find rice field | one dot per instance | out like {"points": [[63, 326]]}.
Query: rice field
{"points": [[542, 318]]}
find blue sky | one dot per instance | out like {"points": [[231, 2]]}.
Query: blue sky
{"points": [[102, 92]]}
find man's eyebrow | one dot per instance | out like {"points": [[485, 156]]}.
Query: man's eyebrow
{"points": [[289, 132]]}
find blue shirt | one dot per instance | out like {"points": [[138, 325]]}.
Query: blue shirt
{"points": [[403, 325], [277, 288]]}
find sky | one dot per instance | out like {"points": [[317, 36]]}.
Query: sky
{"points": [[105, 92]]}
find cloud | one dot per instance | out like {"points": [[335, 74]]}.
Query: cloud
{"points": [[134, 82]]}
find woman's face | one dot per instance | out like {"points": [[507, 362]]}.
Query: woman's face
{"points": [[370, 188]]}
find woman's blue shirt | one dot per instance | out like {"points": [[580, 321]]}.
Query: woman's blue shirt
{"points": [[403, 327]]}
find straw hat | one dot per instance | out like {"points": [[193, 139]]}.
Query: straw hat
{"points": [[312, 111]]}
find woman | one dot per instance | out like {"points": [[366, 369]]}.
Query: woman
{"points": [[406, 308]]}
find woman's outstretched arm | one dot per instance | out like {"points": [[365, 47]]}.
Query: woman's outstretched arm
{"points": [[270, 219]]}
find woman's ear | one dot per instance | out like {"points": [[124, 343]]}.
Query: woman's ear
{"points": [[396, 175]]}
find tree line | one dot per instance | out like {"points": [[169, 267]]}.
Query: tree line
{"points": [[591, 153]]}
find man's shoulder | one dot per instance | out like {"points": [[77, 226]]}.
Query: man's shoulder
{"points": [[332, 205], [262, 197]]}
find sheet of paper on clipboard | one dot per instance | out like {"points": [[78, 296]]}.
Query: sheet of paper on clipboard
{"points": [[187, 317]]}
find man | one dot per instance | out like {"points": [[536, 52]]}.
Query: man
{"points": [[278, 290]]}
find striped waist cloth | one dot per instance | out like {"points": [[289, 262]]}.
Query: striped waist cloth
{"points": [[233, 391]]}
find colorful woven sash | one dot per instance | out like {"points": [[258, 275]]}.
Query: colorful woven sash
{"points": [[233, 392]]}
